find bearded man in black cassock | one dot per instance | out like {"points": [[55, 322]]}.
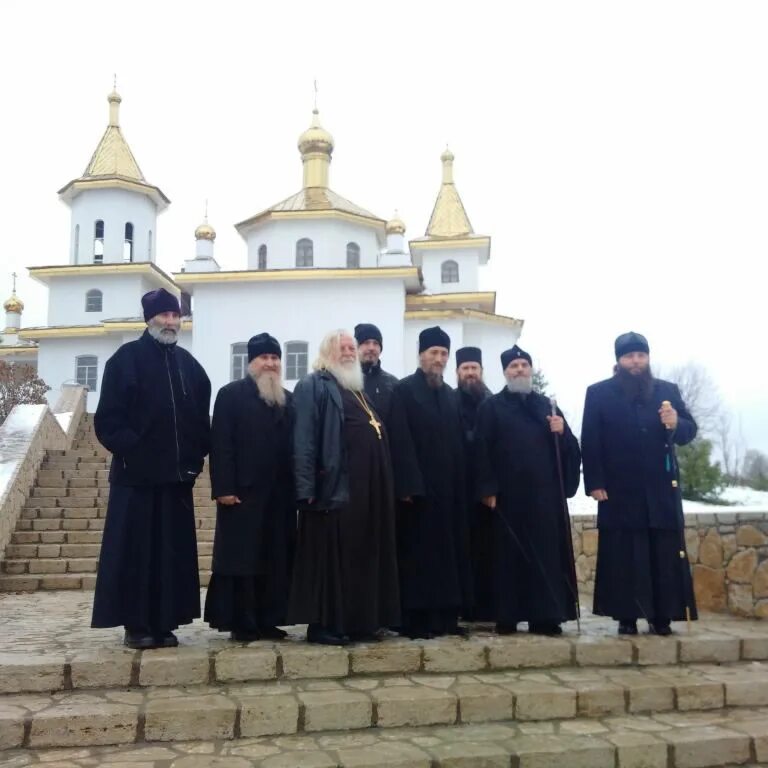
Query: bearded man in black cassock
{"points": [[378, 383], [631, 424], [428, 462], [345, 583], [519, 479], [153, 417], [470, 393], [251, 467]]}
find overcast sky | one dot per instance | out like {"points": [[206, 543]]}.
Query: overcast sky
{"points": [[616, 152]]}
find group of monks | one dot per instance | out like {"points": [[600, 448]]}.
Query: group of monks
{"points": [[361, 505]]}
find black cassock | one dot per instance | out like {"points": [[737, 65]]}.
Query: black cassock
{"points": [[153, 417], [629, 453], [345, 577], [433, 539], [480, 518], [516, 462], [251, 458]]}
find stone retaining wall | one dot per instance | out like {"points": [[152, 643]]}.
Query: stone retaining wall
{"points": [[728, 552], [25, 436]]}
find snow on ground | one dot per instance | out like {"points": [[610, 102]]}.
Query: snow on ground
{"points": [[64, 419], [737, 499]]}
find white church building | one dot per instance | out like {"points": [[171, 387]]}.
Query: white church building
{"points": [[312, 262]]}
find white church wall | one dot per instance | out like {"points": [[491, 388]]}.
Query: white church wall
{"points": [[292, 311], [114, 207], [121, 297], [467, 261], [329, 239]]}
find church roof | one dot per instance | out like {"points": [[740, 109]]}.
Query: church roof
{"points": [[449, 217], [113, 163], [313, 199]]}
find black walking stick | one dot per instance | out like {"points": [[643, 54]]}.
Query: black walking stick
{"points": [[573, 583], [670, 464]]}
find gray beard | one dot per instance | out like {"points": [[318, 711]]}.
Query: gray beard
{"points": [[473, 388], [522, 385], [434, 380], [348, 375], [270, 388], [162, 335]]}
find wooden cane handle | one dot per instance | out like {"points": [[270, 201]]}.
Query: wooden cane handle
{"points": [[666, 404]]}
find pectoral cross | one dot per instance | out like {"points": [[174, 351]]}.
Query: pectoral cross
{"points": [[376, 425]]}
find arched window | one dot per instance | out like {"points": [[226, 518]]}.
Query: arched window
{"points": [[93, 300], [128, 242], [304, 253], [98, 242], [239, 360], [262, 257], [149, 246], [77, 244], [449, 272], [296, 359], [86, 367], [353, 256]]}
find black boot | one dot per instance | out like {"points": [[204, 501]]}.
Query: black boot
{"points": [[506, 629], [244, 635], [166, 640], [139, 639], [551, 628], [660, 627], [272, 633], [627, 626], [322, 636]]}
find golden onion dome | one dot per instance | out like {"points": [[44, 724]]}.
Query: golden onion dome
{"points": [[395, 226], [205, 232], [315, 138], [14, 304]]}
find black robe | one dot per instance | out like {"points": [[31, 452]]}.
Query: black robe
{"points": [[516, 462], [433, 540], [481, 530], [251, 458], [629, 453], [345, 576], [378, 388], [153, 416]]}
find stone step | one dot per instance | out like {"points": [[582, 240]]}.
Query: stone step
{"points": [[737, 737], [62, 564], [247, 710], [60, 524], [32, 582], [57, 537]]}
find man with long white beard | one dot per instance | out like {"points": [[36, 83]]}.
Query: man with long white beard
{"points": [[153, 417], [345, 584], [519, 480], [428, 461], [470, 393], [252, 482], [631, 425]]}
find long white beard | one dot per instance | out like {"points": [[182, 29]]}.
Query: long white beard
{"points": [[161, 334], [349, 375], [270, 388], [522, 385]]}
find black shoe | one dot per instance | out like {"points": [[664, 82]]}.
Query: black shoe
{"points": [[551, 629], [417, 633], [364, 637], [139, 640], [272, 633], [628, 627], [457, 631], [166, 640], [244, 636], [322, 636], [660, 628], [506, 629]]}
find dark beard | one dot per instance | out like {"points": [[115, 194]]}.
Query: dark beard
{"points": [[474, 389], [635, 386]]}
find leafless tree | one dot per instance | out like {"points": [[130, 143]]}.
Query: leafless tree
{"points": [[700, 394], [19, 384]]}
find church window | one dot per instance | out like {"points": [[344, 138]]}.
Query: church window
{"points": [[449, 272], [77, 243], [86, 367], [262, 257], [353, 256], [93, 300], [239, 360], [128, 242], [296, 359], [304, 253], [98, 242], [149, 246]]}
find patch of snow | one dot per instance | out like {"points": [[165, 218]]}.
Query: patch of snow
{"points": [[64, 419]]}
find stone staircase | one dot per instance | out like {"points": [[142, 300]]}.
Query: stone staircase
{"points": [[590, 701], [57, 539]]}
